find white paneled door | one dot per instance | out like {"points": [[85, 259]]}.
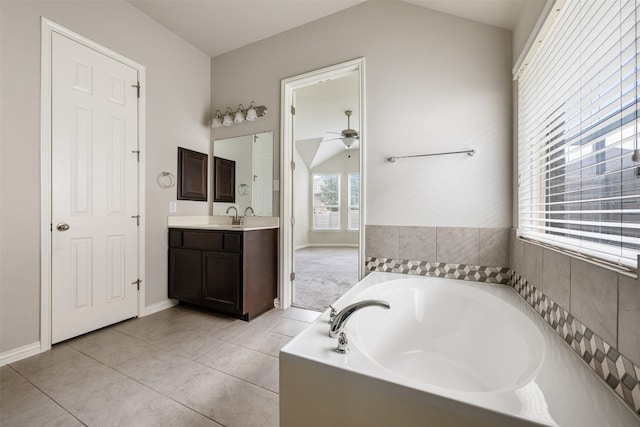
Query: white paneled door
{"points": [[94, 190]]}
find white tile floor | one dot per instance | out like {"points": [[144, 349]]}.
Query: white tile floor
{"points": [[178, 367]]}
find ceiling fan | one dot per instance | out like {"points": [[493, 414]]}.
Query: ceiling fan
{"points": [[348, 136]]}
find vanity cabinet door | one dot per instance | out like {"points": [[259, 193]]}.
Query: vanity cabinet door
{"points": [[221, 281], [185, 274]]}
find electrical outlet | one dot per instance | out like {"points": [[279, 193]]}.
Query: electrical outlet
{"points": [[276, 185], [173, 207]]}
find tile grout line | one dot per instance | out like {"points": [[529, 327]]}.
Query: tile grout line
{"points": [[113, 368], [48, 396], [151, 345]]}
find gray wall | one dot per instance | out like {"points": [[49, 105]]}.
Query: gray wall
{"points": [[178, 98], [434, 82]]}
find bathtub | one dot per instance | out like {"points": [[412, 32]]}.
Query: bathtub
{"points": [[447, 353]]}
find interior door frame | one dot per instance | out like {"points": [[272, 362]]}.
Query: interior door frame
{"points": [[49, 27], [288, 87]]}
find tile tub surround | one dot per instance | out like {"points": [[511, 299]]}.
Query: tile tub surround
{"points": [[611, 366], [594, 309], [477, 273], [479, 254], [561, 289]]}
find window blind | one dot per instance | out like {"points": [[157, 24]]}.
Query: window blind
{"points": [[578, 187]]}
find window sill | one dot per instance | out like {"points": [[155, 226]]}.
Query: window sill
{"points": [[575, 255]]}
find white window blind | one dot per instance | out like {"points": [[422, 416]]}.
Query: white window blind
{"points": [[577, 130]]}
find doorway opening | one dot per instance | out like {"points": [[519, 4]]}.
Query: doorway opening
{"points": [[322, 204]]}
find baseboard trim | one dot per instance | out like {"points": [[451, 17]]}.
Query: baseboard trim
{"points": [[20, 353], [159, 306], [328, 245]]}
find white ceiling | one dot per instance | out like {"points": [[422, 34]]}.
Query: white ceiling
{"points": [[213, 25], [320, 118]]}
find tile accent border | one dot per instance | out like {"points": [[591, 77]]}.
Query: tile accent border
{"points": [[606, 362], [477, 273]]}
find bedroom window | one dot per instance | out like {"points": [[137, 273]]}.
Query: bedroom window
{"points": [[354, 201], [578, 186], [326, 201]]}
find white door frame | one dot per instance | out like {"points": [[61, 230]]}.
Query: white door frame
{"points": [[288, 86], [48, 28]]}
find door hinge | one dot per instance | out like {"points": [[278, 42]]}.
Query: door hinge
{"points": [[137, 86], [293, 220], [137, 153], [293, 166], [137, 217], [293, 110], [292, 276], [137, 283]]}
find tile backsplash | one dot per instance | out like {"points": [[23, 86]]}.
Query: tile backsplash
{"points": [[479, 254], [449, 245]]}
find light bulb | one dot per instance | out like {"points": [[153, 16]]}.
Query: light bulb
{"points": [[216, 122], [239, 118], [227, 120], [251, 113]]}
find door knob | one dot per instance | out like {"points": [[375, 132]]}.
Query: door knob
{"points": [[62, 226]]}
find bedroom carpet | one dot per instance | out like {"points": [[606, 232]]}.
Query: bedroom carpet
{"points": [[324, 274]]}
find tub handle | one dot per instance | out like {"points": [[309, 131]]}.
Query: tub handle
{"points": [[332, 314], [343, 344]]}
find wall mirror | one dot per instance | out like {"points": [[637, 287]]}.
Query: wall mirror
{"points": [[253, 157]]}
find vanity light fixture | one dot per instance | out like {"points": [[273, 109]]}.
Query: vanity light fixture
{"points": [[216, 122], [239, 118], [226, 120], [241, 115], [252, 115]]}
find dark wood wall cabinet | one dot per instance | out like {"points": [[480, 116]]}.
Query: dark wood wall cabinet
{"points": [[234, 272], [192, 175]]}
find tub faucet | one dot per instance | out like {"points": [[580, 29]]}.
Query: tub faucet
{"points": [[341, 318], [236, 220]]}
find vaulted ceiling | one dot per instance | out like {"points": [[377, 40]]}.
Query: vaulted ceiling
{"points": [[218, 26]]}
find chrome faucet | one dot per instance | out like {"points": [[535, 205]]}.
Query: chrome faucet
{"points": [[338, 323], [247, 209], [236, 220]]}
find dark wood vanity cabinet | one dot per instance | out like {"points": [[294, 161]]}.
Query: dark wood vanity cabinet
{"points": [[234, 272]]}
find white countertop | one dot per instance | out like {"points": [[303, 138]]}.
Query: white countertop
{"points": [[223, 222]]}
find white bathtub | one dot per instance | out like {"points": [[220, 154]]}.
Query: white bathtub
{"points": [[447, 353]]}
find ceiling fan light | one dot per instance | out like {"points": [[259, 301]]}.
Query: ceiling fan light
{"points": [[348, 142]]}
